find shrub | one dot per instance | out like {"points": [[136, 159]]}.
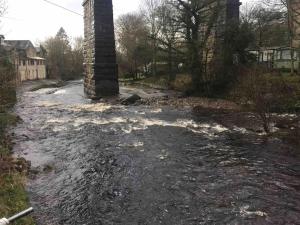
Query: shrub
{"points": [[260, 92], [7, 84]]}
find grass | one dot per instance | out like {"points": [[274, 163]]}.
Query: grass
{"points": [[13, 197], [181, 83], [292, 102], [160, 81], [7, 97]]}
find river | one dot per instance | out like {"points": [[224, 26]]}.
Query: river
{"points": [[105, 163]]}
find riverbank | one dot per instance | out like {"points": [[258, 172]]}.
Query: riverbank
{"points": [[13, 171], [284, 126], [231, 110]]}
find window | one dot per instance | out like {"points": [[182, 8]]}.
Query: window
{"points": [[24, 62], [286, 54], [278, 55]]}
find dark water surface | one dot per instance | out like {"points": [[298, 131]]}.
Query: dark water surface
{"points": [[140, 165]]}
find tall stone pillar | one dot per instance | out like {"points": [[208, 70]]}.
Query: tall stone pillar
{"points": [[295, 20], [100, 67]]}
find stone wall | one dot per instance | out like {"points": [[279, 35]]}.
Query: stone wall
{"points": [[295, 5], [100, 67], [228, 16]]}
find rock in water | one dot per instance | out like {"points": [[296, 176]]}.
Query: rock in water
{"points": [[131, 100]]}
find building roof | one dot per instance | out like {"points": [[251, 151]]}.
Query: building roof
{"points": [[19, 44], [38, 58], [266, 48]]}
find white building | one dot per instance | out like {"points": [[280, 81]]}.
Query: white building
{"points": [[29, 64]]}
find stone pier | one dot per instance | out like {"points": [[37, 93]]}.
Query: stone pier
{"points": [[100, 67], [295, 18]]}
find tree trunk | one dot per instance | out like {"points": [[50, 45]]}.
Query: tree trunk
{"points": [[154, 61], [291, 32], [170, 64], [196, 68], [292, 62], [298, 61], [135, 69]]}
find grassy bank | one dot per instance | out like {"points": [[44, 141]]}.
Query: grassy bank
{"points": [[182, 82], [13, 197], [56, 84]]}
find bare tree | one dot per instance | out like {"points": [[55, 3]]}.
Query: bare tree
{"points": [[150, 10], [197, 19], [59, 56], [77, 57], [132, 37], [292, 7], [168, 37], [3, 8]]}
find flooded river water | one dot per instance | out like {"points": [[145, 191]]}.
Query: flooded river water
{"points": [[104, 163]]}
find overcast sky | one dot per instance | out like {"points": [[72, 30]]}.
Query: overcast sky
{"points": [[35, 19]]}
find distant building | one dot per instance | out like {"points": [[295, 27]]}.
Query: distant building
{"points": [[276, 57], [29, 64]]}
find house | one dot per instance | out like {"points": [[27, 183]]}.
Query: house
{"points": [[276, 57], [29, 65], [283, 58]]}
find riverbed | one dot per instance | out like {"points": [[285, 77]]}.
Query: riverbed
{"points": [[104, 163]]}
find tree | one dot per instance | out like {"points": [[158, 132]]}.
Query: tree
{"points": [[7, 80], [197, 20], [268, 25], [132, 37], [3, 7], [168, 35], [292, 7], [150, 10], [77, 58], [265, 20], [59, 56]]}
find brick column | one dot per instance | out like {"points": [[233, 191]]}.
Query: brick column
{"points": [[100, 67]]}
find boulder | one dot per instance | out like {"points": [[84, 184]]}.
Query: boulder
{"points": [[131, 100]]}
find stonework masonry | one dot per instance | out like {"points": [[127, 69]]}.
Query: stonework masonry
{"points": [[100, 67], [295, 9]]}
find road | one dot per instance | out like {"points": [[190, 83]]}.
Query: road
{"points": [[104, 163]]}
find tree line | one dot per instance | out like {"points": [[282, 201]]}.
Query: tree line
{"points": [[169, 37], [64, 60]]}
